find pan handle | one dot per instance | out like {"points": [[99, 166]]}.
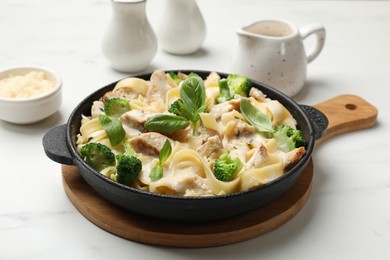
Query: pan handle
{"points": [[319, 120], [54, 144], [347, 113]]}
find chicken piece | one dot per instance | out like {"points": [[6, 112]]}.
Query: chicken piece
{"points": [[244, 128], [182, 75], [196, 186], [149, 143], [235, 103], [259, 159], [257, 94], [97, 108], [136, 119], [205, 134], [185, 185], [158, 86], [292, 157], [238, 128], [211, 149], [219, 109], [120, 93], [179, 135]]}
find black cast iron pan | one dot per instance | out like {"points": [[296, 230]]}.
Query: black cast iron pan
{"points": [[59, 145]]}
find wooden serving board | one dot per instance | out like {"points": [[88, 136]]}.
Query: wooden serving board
{"points": [[179, 234], [345, 113]]}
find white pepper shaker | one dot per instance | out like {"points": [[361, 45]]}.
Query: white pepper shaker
{"points": [[181, 28]]}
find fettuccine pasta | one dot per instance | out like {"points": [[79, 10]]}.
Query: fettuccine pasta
{"points": [[220, 129]]}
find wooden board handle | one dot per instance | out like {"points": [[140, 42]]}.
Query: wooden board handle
{"points": [[346, 113]]}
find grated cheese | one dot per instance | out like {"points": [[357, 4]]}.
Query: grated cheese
{"points": [[32, 84]]}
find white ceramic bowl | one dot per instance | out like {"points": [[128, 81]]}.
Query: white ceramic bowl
{"points": [[33, 109]]}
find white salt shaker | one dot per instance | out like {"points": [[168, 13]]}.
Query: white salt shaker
{"points": [[181, 28], [129, 42]]}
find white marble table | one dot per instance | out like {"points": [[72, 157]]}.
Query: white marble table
{"points": [[348, 213]]}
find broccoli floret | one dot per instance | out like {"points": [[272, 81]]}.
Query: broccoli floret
{"points": [[177, 107], [233, 84], [226, 168], [97, 155], [287, 138], [175, 77], [239, 84], [127, 169], [116, 107], [224, 91]]}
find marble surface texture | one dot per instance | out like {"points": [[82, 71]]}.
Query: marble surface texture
{"points": [[348, 213]]}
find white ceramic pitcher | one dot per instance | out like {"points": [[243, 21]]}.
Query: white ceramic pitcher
{"points": [[129, 42], [272, 52]]}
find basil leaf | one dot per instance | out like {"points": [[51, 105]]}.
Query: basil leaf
{"points": [[165, 124], [193, 93], [255, 117], [113, 127], [156, 173], [165, 151]]}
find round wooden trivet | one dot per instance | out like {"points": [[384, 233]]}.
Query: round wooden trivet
{"points": [[147, 230]]}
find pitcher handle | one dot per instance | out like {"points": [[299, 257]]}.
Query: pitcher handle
{"points": [[318, 30]]}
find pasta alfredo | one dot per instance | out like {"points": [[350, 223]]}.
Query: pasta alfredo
{"points": [[242, 129]]}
